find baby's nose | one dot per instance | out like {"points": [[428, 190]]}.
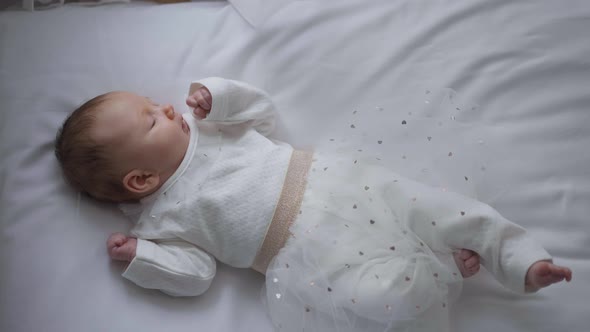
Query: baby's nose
{"points": [[169, 111]]}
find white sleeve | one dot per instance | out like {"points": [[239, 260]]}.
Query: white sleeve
{"points": [[176, 268], [238, 102]]}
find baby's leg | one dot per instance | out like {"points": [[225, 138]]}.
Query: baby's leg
{"points": [[449, 222], [544, 273]]}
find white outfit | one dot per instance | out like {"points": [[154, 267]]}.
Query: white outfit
{"points": [[220, 200], [369, 251]]}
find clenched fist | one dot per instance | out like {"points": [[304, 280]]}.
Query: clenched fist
{"points": [[121, 247], [201, 102]]}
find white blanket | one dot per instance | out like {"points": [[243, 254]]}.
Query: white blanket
{"points": [[525, 63]]}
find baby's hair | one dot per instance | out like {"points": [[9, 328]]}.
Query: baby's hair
{"points": [[85, 163]]}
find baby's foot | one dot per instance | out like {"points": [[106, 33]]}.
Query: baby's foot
{"points": [[467, 261], [544, 273]]}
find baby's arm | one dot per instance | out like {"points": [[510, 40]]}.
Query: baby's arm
{"points": [[174, 267], [229, 101]]}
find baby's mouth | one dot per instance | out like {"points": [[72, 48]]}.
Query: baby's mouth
{"points": [[185, 127]]}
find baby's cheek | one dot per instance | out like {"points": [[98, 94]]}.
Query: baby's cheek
{"points": [[170, 148]]}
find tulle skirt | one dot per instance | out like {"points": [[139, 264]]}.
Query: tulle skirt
{"points": [[352, 263]]}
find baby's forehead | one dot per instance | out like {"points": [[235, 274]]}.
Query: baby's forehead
{"points": [[115, 96], [119, 112], [123, 101]]}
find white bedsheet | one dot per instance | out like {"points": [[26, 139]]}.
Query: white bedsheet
{"points": [[525, 63]]}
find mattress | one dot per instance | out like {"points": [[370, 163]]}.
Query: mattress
{"points": [[522, 67]]}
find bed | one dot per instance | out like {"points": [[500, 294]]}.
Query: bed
{"points": [[521, 66]]}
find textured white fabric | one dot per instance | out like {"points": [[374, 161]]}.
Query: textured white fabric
{"points": [[372, 251], [219, 201], [256, 12], [175, 267]]}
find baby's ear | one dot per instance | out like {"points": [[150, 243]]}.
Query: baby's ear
{"points": [[141, 182]]}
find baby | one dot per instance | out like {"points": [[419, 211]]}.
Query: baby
{"points": [[354, 242]]}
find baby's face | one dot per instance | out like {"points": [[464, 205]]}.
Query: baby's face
{"points": [[142, 134]]}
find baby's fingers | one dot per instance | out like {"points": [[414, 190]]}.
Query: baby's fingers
{"points": [[118, 253], [201, 98], [204, 98], [116, 240], [203, 104], [199, 112], [191, 101]]}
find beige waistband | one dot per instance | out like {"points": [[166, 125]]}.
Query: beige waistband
{"points": [[286, 211]]}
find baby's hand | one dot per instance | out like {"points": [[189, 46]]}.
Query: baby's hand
{"points": [[201, 101], [121, 247]]}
